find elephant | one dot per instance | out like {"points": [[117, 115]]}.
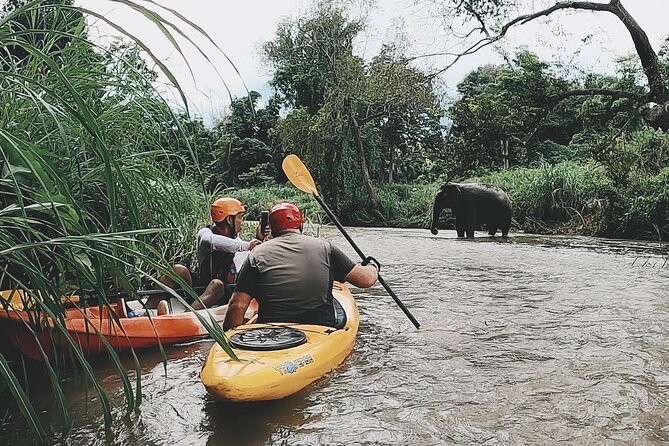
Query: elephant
{"points": [[473, 204]]}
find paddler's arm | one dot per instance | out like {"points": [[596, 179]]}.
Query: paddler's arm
{"points": [[239, 302], [241, 298], [363, 276]]}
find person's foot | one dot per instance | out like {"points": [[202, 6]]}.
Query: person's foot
{"points": [[163, 308]]}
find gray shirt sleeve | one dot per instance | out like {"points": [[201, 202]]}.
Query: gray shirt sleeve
{"points": [[341, 264]]}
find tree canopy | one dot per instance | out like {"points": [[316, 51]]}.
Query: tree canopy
{"points": [[488, 21], [354, 121]]}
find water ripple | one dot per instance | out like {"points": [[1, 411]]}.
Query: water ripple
{"points": [[529, 340]]}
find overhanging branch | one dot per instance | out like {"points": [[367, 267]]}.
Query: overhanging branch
{"points": [[645, 51], [597, 92], [588, 6]]}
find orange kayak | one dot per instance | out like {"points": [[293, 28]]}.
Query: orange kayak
{"points": [[25, 328]]}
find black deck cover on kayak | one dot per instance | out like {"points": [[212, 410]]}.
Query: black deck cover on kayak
{"points": [[268, 338]]}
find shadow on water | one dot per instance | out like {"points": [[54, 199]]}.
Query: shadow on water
{"points": [[254, 423]]}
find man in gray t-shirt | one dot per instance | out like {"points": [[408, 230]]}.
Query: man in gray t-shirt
{"points": [[291, 275]]}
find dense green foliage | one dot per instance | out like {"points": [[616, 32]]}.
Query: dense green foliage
{"points": [[551, 195], [355, 124], [515, 103], [93, 198]]}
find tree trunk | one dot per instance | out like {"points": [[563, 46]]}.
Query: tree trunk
{"points": [[332, 177], [355, 130], [644, 49], [657, 116], [391, 165]]}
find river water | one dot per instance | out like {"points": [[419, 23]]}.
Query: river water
{"points": [[526, 340]]}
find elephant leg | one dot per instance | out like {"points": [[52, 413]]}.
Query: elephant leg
{"points": [[505, 231], [459, 227], [471, 223], [492, 230]]}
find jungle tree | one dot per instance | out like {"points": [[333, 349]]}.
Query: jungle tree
{"points": [[508, 102], [340, 103], [315, 70], [244, 152], [247, 120], [401, 101]]}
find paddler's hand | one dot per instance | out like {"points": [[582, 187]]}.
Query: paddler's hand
{"points": [[262, 236], [369, 260]]}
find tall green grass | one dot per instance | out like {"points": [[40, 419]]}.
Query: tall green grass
{"points": [[644, 208], [90, 199], [404, 205], [550, 196], [565, 197], [408, 205]]}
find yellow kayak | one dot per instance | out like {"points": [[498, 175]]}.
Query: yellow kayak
{"points": [[278, 360]]}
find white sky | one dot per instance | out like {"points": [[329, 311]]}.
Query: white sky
{"points": [[239, 27]]}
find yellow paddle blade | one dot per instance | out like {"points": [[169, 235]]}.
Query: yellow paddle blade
{"points": [[298, 174]]}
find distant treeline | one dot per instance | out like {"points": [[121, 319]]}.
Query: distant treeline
{"points": [[586, 163]]}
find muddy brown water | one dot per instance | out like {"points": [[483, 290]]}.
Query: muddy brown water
{"points": [[526, 340]]}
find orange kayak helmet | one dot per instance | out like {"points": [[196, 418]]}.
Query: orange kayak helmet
{"points": [[225, 207], [285, 216]]}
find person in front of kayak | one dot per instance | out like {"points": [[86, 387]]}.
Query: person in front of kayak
{"points": [[217, 246], [291, 275]]}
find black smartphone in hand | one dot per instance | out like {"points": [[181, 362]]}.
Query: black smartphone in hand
{"points": [[264, 221]]}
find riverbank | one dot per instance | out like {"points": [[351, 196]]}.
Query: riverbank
{"points": [[566, 198]]}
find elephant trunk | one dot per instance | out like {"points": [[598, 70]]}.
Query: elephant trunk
{"points": [[436, 211]]}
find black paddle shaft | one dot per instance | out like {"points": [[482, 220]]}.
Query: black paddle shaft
{"points": [[363, 257]]}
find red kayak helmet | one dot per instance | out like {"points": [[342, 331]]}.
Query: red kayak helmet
{"points": [[285, 216]]}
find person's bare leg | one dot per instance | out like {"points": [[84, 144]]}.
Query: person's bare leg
{"points": [[212, 294], [122, 308], [179, 270]]}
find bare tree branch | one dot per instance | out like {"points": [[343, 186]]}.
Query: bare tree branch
{"points": [[598, 92], [644, 49]]}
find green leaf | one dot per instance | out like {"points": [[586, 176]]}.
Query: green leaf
{"points": [[22, 400]]}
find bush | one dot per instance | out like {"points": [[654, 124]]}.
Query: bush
{"points": [[647, 213], [407, 205]]}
